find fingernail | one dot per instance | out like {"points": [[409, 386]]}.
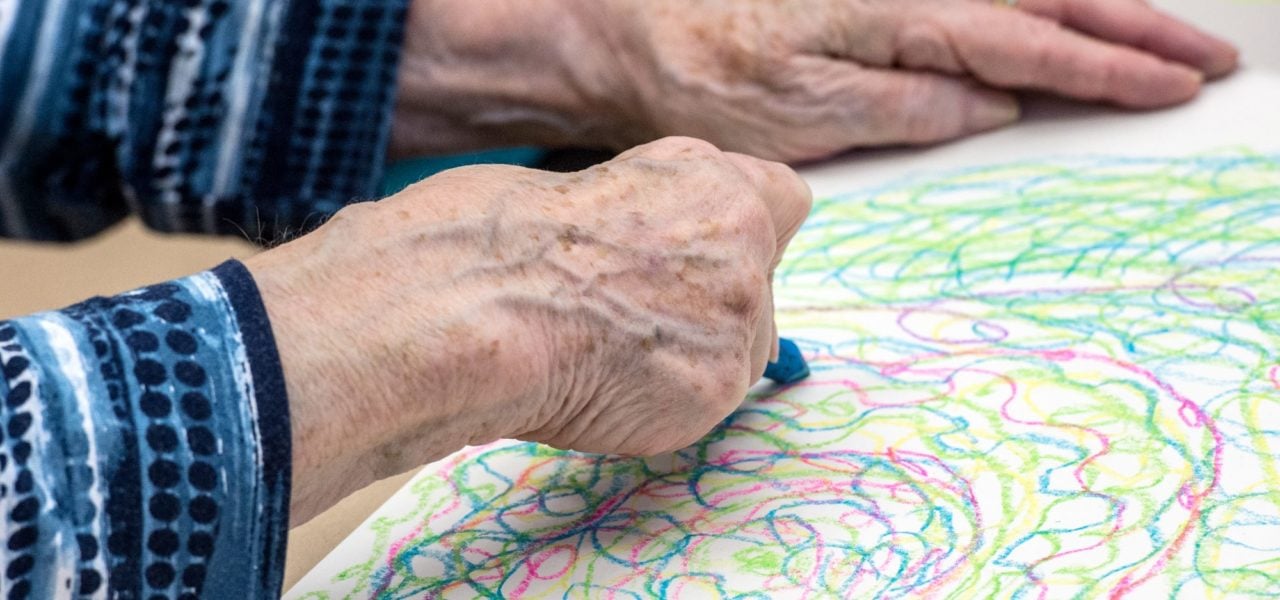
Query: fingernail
{"points": [[1192, 81], [1220, 60], [993, 109], [1196, 76]]}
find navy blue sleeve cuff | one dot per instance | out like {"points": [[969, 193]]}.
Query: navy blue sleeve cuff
{"points": [[272, 401], [264, 364]]}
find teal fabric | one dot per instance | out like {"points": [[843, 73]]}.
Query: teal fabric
{"points": [[405, 173]]}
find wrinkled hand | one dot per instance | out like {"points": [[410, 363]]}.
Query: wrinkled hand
{"points": [[791, 80], [623, 309]]}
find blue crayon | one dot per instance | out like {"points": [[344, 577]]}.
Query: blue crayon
{"points": [[790, 367]]}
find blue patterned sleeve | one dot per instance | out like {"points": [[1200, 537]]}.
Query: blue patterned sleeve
{"points": [[245, 117], [145, 446]]}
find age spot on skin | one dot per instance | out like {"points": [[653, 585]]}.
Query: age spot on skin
{"points": [[738, 301], [569, 238]]}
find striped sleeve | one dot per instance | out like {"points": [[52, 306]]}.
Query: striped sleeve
{"points": [[244, 117], [145, 450]]}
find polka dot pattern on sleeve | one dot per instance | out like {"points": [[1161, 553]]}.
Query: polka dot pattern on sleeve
{"points": [[157, 420]]}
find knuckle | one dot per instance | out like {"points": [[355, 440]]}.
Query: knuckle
{"points": [[1041, 45], [679, 146], [725, 391], [751, 222], [784, 178], [1110, 75], [757, 171], [755, 217], [925, 45]]}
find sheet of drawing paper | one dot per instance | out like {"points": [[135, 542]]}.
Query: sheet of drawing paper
{"points": [[1046, 364]]}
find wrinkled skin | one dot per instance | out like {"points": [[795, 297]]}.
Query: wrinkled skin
{"points": [[623, 309], [785, 80]]}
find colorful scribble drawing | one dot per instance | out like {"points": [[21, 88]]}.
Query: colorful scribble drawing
{"points": [[1041, 380]]}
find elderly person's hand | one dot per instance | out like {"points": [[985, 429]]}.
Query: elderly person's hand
{"points": [[786, 80], [623, 309]]}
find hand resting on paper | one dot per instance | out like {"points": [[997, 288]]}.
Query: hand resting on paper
{"points": [[792, 80], [622, 309]]}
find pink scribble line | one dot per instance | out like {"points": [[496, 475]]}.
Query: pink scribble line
{"points": [[852, 386], [1196, 504], [534, 562], [970, 497], [1190, 413], [1194, 501], [393, 552], [1000, 332]]}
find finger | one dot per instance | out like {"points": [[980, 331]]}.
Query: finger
{"points": [[786, 196], [765, 338], [1139, 25], [776, 349], [789, 200], [1010, 48], [870, 106]]}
